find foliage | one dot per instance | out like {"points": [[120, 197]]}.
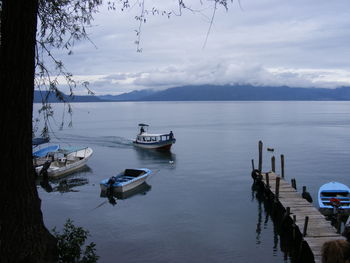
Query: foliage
{"points": [[61, 23], [70, 244]]}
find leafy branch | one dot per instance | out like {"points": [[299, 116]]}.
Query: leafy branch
{"points": [[70, 243]]}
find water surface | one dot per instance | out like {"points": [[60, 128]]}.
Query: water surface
{"points": [[198, 206]]}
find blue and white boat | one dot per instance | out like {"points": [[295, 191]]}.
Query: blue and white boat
{"points": [[159, 141], [334, 196], [126, 180]]}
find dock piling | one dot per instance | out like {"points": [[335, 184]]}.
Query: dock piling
{"points": [[277, 190], [267, 181], [273, 167], [294, 226], [260, 155], [282, 165], [338, 223], [305, 226], [294, 183], [288, 211]]}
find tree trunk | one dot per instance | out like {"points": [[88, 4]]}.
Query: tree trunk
{"points": [[23, 236]]}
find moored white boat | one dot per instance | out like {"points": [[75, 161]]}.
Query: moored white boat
{"points": [[160, 141], [65, 161], [334, 196], [126, 180]]}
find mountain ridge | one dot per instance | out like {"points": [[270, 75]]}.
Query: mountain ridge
{"points": [[215, 93], [236, 92]]}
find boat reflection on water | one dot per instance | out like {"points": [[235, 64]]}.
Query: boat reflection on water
{"points": [[142, 189], [154, 156], [66, 184]]}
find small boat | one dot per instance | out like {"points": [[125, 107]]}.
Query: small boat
{"points": [[126, 180], [334, 196], [162, 141], [65, 161]]}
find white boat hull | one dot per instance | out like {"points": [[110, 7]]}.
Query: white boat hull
{"points": [[159, 145], [125, 188]]}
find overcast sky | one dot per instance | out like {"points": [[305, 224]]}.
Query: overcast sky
{"points": [[303, 43]]}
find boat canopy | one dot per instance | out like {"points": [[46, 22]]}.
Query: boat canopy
{"points": [[44, 151], [153, 134], [143, 125], [39, 140]]}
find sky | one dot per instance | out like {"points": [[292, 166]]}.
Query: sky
{"points": [[299, 43]]}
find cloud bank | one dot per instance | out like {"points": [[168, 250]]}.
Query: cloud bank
{"points": [[265, 42]]}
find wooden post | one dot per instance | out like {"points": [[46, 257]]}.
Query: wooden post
{"points": [[277, 190], [267, 181], [346, 232], [294, 183], [338, 224], [273, 167], [282, 165], [294, 226], [253, 167], [260, 155], [305, 225], [288, 211]]}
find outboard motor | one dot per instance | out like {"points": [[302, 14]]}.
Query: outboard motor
{"points": [[43, 171], [110, 183]]}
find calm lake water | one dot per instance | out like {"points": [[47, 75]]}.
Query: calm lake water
{"points": [[199, 205]]}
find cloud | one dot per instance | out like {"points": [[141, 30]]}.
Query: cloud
{"points": [[267, 42], [223, 73]]}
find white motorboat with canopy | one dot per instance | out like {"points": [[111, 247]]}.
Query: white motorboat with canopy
{"points": [[64, 161], [161, 141]]}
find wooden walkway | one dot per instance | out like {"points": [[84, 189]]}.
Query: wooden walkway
{"points": [[318, 229]]}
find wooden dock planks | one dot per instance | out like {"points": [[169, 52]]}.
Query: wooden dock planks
{"points": [[318, 229]]}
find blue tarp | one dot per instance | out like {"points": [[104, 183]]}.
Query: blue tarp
{"points": [[44, 151]]}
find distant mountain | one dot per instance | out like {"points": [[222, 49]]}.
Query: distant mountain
{"points": [[235, 92], [130, 96], [215, 93], [38, 95]]}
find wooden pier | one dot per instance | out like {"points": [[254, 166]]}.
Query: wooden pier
{"points": [[311, 226], [307, 218]]}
